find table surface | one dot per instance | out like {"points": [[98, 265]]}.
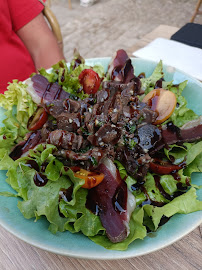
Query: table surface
{"points": [[184, 254], [163, 31]]}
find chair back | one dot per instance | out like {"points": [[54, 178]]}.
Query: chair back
{"points": [[53, 23], [197, 10], [55, 27]]}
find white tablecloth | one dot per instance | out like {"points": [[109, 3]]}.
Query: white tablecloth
{"points": [[175, 54]]}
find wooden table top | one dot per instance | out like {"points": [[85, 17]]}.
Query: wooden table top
{"points": [[184, 254], [163, 31]]}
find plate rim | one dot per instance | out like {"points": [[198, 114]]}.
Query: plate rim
{"points": [[74, 255]]}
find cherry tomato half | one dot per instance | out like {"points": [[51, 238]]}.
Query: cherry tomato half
{"points": [[92, 179], [161, 101], [164, 167], [37, 120], [90, 81]]}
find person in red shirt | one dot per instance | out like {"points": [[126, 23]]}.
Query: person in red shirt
{"points": [[26, 41]]}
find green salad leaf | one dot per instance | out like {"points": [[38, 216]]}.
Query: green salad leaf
{"points": [[178, 152], [194, 152], [44, 200], [184, 204], [16, 95], [37, 201], [79, 217], [194, 159], [19, 107], [190, 153], [149, 82]]}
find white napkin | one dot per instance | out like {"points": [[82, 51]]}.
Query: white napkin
{"points": [[175, 54]]}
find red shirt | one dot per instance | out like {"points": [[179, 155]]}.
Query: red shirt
{"points": [[15, 60]]}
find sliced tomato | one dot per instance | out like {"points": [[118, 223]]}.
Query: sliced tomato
{"points": [[90, 81], [92, 179], [161, 101], [37, 120], [164, 167]]}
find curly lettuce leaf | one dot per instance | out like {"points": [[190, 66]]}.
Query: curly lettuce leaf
{"points": [[194, 152], [78, 59], [149, 82], [8, 194], [178, 152], [44, 200], [190, 153], [50, 76], [194, 159], [151, 216], [19, 107], [80, 219], [16, 95], [11, 132], [169, 184], [184, 204], [152, 191], [5, 161]]}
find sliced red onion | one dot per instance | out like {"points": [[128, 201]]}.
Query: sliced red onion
{"points": [[30, 90], [110, 166], [131, 204]]}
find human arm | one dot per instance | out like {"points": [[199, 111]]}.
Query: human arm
{"points": [[40, 42]]}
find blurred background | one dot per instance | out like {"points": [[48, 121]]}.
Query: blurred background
{"points": [[107, 25]]}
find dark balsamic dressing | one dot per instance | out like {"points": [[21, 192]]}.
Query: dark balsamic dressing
{"points": [[59, 91], [32, 164], [160, 188], [77, 62], [43, 166], [66, 194], [40, 179], [140, 186], [45, 92], [118, 201], [159, 83], [181, 188], [174, 129], [23, 147], [63, 76]]}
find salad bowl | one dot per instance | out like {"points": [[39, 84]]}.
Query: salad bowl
{"points": [[79, 246]]}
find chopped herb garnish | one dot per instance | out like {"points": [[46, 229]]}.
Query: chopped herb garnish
{"points": [[94, 161], [132, 144], [132, 129], [84, 131], [84, 150]]}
